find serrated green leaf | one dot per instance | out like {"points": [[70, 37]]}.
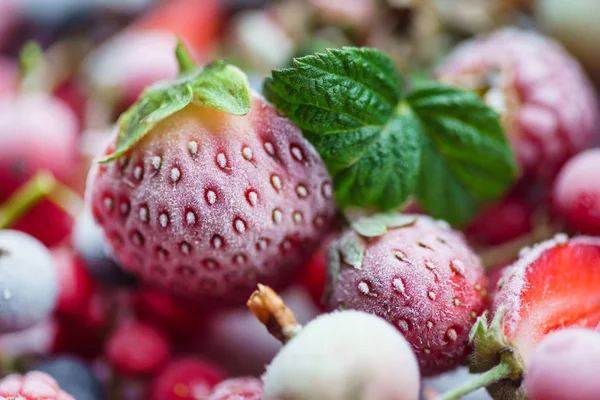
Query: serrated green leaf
{"points": [[464, 152], [441, 144], [219, 86]]}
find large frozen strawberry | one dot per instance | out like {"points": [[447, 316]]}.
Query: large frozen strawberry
{"points": [[207, 190], [33, 386], [553, 286], [549, 108], [416, 273]]}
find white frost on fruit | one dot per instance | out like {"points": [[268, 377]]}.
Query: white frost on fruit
{"points": [[344, 355]]}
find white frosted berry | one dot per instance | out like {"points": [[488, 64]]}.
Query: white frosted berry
{"points": [[344, 354]]}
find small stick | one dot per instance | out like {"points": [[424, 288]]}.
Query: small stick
{"points": [[270, 310]]}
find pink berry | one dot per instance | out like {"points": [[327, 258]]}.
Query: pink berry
{"points": [[210, 204], [502, 222], [28, 144], [178, 317], [32, 386], [548, 105], [83, 334], [422, 278], [137, 348], [245, 388], [185, 379], [576, 193], [75, 284], [564, 366], [249, 356], [131, 61], [342, 354]]}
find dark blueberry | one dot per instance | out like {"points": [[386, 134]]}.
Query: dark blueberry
{"points": [[73, 376], [28, 281], [89, 244]]}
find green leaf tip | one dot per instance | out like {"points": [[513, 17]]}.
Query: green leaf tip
{"points": [[219, 86], [440, 144]]}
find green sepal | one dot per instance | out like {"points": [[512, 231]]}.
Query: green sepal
{"points": [[378, 224], [352, 249], [490, 348], [219, 86]]}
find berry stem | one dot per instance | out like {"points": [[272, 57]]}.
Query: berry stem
{"points": [[184, 58], [271, 311], [21, 201], [499, 372], [32, 67], [41, 185]]}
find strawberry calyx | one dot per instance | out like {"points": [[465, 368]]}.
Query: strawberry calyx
{"points": [[219, 86], [495, 358]]}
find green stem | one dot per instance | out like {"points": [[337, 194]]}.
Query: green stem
{"points": [[184, 58], [21, 201], [31, 65], [499, 372], [41, 185]]}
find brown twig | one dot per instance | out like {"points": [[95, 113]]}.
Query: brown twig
{"points": [[271, 311]]}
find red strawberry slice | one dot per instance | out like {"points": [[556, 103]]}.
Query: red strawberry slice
{"points": [[555, 286]]}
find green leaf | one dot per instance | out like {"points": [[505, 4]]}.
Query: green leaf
{"points": [[378, 224], [219, 86], [352, 249], [464, 152], [438, 143]]}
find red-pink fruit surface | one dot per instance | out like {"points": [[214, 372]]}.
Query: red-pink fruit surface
{"points": [[130, 62], [244, 388], [564, 366], [422, 278], [553, 286], [210, 204], [185, 379], [33, 386], [137, 348], [549, 108], [502, 222], [28, 144], [74, 282], [576, 193]]}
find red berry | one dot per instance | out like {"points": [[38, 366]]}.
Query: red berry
{"points": [[549, 108], [83, 334], [130, 62], [28, 144], [421, 277], [564, 366], [576, 193], [314, 276], [502, 222], [178, 317], [554, 285], [210, 204], [185, 379], [246, 388], [137, 348], [33, 386], [74, 281], [196, 22]]}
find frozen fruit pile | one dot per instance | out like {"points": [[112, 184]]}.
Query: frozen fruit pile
{"points": [[298, 200]]}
